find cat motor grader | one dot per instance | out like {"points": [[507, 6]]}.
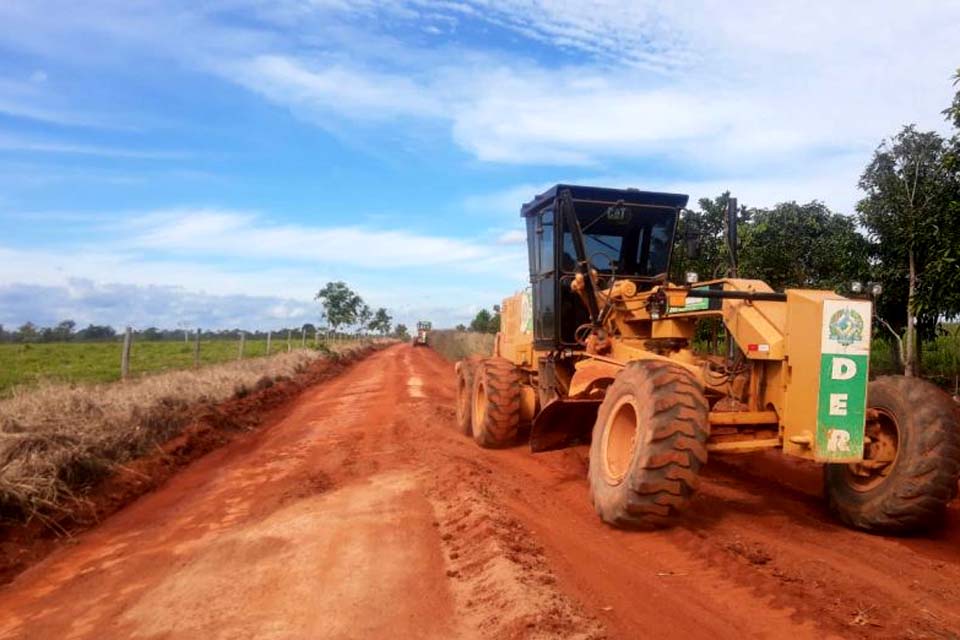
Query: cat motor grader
{"points": [[600, 349], [422, 338]]}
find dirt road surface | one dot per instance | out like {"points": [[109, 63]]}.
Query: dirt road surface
{"points": [[361, 513]]}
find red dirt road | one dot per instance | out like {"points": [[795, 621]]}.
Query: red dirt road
{"points": [[361, 513]]}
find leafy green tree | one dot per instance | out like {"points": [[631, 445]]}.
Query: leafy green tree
{"points": [[341, 305], [364, 315], [486, 322], [380, 322], [96, 332], [910, 212], [461, 327], [481, 321], [803, 246], [27, 332], [706, 228], [64, 331], [400, 331]]}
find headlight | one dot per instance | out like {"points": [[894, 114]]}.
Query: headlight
{"points": [[876, 289], [856, 286]]}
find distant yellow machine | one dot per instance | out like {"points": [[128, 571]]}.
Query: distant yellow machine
{"points": [[600, 349], [422, 339]]}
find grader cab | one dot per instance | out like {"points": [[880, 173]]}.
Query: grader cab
{"points": [[600, 349]]}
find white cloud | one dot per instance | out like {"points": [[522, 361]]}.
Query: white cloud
{"points": [[831, 181], [212, 232], [89, 302], [514, 236], [704, 86], [202, 254], [350, 92], [10, 142]]}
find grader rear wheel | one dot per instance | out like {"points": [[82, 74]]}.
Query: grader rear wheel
{"points": [[495, 412], [466, 369], [649, 442], [911, 460]]}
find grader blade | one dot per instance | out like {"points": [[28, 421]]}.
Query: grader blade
{"points": [[563, 423]]}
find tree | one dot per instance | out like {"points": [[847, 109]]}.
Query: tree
{"points": [[64, 331], [364, 315], [341, 306], [381, 322], [461, 327], [27, 332], [480, 321], [400, 331], [912, 188], [953, 111], [803, 246], [486, 322], [96, 332], [707, 226]]}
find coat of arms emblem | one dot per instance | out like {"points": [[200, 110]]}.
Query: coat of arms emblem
{"points": [[846, 327]]}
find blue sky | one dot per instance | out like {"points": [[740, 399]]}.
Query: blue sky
{"points": [[214, 163]]}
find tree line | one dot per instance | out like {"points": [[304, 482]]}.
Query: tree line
{"points": [[66, 331], [904, 236]]}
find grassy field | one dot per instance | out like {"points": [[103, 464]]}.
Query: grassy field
{"points": [[29, 364]]}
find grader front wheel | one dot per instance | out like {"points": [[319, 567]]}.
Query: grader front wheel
{"points": [[648, 444], [911, 460]]}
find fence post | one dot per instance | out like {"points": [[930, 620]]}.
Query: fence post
{"points": [[289, 336], [269, 335], [303, 337], [316, 337], [125, 354], [240, 351], [196, 349]]}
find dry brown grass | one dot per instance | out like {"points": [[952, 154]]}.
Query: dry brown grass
{"points": [[455, 345], [56, 440]]}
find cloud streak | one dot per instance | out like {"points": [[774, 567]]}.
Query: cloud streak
{"points": [[212, 232]]}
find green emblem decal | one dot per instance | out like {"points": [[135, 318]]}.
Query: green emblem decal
{"points": [[844, 371], [846, 326]]}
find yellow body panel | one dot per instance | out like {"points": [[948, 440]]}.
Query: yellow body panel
{"points": [[777, 397]]}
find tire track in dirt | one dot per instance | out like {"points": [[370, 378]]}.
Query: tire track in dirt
{"points": [[332, 522], [362, 513], [756, 556]]}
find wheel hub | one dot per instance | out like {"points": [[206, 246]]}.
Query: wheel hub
{"points": [[479, 408], [620, 440], [879, 452]]}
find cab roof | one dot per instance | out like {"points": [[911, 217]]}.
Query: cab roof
{"points": [[603, 194]]}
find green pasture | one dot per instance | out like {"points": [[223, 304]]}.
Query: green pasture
{"points": [[30, 363]]}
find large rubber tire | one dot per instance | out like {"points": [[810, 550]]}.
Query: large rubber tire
{"points": [[649, 442], [466, 369], [495, 414], [923, 478]]}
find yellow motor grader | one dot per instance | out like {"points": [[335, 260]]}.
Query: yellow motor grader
{"points": [[601, 349]]}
